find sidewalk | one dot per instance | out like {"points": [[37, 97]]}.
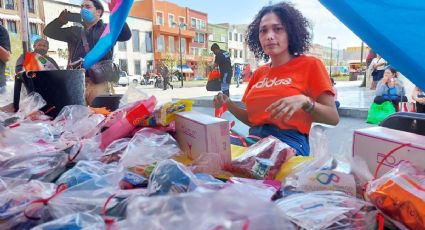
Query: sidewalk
{"points": [[355, 101]]}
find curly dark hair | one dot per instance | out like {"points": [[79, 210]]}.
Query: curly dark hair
{"points": [[296, 26]]}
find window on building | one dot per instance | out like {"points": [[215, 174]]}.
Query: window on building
{"points": [[235, 54], [148, 41], [241, 54], [122, 46], [159, 18], [171, 48], [182, 20], [160, 43], [11, 26], [193, 22], [1, 6], [137, 67], [171, 22], [230, 51], [198, 24], [193, 51], [123, 65], [211, 37], [136, 40], [31, 6], [230, 36], [235, 37], [33, 29], [10, 4], [199, 38], [223, 38], [240, 38], [183, 41], [203, 24]]}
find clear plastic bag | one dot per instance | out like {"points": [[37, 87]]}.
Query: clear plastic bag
{"points": [[327, 171], [262, 160], [115, 150], [15, 196], [234, 207], [400, 195], [30, 104], [330, 210], [171, 177], [84, 171], [149, 146], [131, 96], [82, 220], [44, 167], [76, 122]]}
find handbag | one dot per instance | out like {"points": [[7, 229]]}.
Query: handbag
{"points": [[406, 107], [105, 70], [214, 81]]}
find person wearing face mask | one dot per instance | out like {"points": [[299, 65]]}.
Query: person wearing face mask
{"points": [[284, 97], [81, 40], [41, 46]]}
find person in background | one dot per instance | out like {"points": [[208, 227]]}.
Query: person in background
{"points": [[222, 61], [290, 92], [390, 88], [247, 73], [165, 76], [337, 103], [237, 75], [4, 57], [418, 95], [377, 68], [41, 46], [91, 14]]}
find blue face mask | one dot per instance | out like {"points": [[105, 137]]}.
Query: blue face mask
{"points": [[87, 16]]}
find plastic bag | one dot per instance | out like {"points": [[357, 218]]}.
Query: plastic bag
{"points": [[43, 167], [82, 220], [31, 104], [327, 171], [328, 210], [115, 150], [76, 122], [400, 195], [170, 177], [377, 113], [262, 160], [15, 196], [149, 146], [84, 171], [234, 207], [132, 95]]}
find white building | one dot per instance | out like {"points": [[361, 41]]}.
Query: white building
{"points": [[236, 38], [134, 56]]}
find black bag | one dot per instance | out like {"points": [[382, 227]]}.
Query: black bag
{"points": [[102, 71], [105, 70], [214, 85]]}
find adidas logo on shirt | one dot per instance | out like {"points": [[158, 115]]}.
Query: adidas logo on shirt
{"points": [[266, 83]]}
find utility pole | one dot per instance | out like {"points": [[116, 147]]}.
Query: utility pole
{"points": [[330, 62]]}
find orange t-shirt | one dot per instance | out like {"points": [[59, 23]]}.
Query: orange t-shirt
{"points": [[301, 75]]}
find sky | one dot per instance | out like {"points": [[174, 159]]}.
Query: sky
{"points": [[243, 11]]}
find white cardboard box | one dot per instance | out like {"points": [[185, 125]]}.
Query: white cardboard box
{"points": [[199, 133], [372, 144]]}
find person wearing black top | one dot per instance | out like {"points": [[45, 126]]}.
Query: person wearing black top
{"points": [[222, 60], [4, 57], [41, 46], [91, 13]]}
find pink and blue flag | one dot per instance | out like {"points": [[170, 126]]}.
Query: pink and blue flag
{"points": [[119, 11]]}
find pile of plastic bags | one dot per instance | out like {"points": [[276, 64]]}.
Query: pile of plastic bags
{"points": [[125, 170]]}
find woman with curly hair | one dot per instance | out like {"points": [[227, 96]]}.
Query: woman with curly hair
{"points": [[286, 95]]}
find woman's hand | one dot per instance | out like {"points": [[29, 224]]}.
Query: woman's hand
{"points": [[286, 107], [220, 99]]}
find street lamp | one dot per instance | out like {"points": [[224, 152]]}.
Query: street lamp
{"points": [[330, 62], [180, 25]]}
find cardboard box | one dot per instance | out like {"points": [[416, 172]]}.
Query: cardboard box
{"points": [[373, 144], [199, 133]]}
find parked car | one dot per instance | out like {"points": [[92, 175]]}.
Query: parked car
{"points": [[124, 79], [198, 78], [135, 79]]}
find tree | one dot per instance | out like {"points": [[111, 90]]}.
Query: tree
{"points": [[170, 61], [16, 51], [203, 63]]}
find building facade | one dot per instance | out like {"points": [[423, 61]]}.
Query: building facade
{"points": [[199, 57], [217, 34]]}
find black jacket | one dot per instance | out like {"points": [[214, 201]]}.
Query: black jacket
{"points": [[72, 36]]}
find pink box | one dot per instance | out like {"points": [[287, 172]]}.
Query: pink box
{"points": [[372, 144], [199, 133]]}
